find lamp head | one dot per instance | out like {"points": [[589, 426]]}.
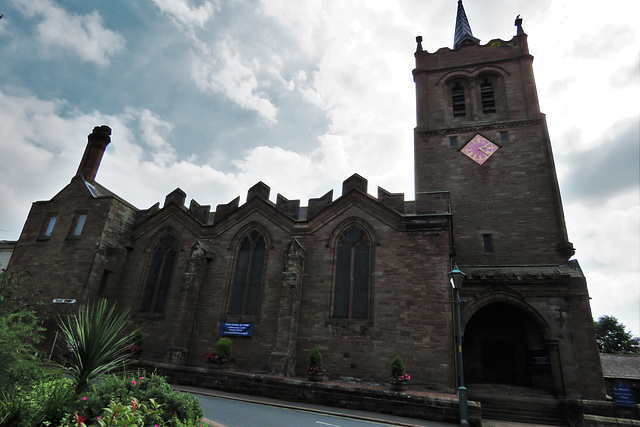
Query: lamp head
{"points": [[456, 277]]}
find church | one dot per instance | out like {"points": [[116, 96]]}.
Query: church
{"points": [[364, 277]]}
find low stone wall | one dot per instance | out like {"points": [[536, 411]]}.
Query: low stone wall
{"points": [[598, 421], [339, 395], [606, 409]]}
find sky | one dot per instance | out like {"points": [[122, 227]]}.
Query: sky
{"points": [[214, 96]]}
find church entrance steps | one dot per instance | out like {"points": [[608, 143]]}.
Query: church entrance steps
{"points": [[518, 404]]}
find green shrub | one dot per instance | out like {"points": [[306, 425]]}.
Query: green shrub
{"points": [[173, 405], [221, 353], [37, 403], [315, 361], [397, 368], [20, 333], [223, 348], [137, 338], [100, 345]]}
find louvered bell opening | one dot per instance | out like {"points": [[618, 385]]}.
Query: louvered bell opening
{"points": [[488, 100], [457, 98]]}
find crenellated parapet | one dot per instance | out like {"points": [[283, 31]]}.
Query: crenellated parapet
{"points": [[426, 203]]}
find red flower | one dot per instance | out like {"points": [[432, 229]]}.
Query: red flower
{"points": [[79, 419], [133, 404]]}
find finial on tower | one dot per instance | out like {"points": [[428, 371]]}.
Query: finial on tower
{"points": [[518, 25], [463, 34], [419, 41]]}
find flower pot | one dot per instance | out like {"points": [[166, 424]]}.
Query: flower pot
{"points": [[315, 377], [399, 386]]}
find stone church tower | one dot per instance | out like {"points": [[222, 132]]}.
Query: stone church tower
{"points": [[480, 136]]}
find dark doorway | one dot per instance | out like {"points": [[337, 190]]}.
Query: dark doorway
{"points": [[498, 343], [498, 362]]}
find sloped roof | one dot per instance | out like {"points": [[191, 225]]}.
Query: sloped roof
{"points": [[98, 191], [620, 366]]}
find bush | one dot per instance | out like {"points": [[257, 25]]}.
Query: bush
{"points": [[20, 332], [98, 342], [137, 338], [223, 348], [221, 353], [397, 368], [173, 406], [315, 361], [40, 402]]}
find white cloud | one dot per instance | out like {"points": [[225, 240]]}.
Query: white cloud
{"points": [[606, 237], [185, 15], [40, 150], [222, 70], [82, 34]]}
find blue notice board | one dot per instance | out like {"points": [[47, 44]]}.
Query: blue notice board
{"points": [[236, 329], [623, 395]]}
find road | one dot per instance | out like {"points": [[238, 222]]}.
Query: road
{"points": [[233, 410]]}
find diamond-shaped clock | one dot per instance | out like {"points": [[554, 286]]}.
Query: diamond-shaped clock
{"points": [[479, 149]]}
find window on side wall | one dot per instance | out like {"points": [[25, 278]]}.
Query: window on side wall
{"points": [[351, 287], [160, 273], [78, 224], [47, 226], [487, 242], [247, 279]]}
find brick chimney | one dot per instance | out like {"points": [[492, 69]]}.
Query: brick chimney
{"points": [[98, 141]]}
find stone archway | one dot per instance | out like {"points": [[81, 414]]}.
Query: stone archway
{"points": [[504, 345]]}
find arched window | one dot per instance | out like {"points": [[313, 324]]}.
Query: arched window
{"points": [[351, 292], [247, 281], [487, 97], [457, 101], [163, 261]]}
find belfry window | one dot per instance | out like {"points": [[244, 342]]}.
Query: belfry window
{"points": [[163, 261], [458, 101], [351, 292], [247, 281], [487, 97]]}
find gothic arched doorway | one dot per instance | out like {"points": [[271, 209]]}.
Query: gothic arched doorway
{"points": [[504, 345]]}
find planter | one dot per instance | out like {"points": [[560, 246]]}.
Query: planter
{"points": [[399, 386], [317, 378], [217, 366]]}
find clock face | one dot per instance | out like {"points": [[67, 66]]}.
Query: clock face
{"points": [[479, 149]]}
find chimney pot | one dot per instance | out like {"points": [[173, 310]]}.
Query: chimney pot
{"points": [[97, 143]]}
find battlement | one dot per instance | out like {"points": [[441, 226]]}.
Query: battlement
{"points": [[496, 50], [426, 203]]}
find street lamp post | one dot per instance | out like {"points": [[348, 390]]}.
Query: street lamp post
{"points": [[456, 277]]}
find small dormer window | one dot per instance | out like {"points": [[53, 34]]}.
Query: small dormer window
{"points": [[458, 101], [487, 97]]}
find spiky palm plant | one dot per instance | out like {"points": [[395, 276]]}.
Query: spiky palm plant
{"points": [[98, 341]]}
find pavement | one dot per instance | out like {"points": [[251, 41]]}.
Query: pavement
{"points": [[362, 415]]}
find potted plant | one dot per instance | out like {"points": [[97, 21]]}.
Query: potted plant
{"points": [[315, 372], [136, 346], [222, 352], [399, 377]]}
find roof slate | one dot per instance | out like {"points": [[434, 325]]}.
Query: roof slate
{"points": [[620, 366]]}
